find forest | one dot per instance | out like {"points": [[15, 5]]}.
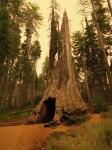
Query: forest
{"points": [[76, 77]]}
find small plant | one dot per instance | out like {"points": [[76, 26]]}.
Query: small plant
{"points": [[88, 137], [107, 115], [100, 105], [105, 134], [108, 137], [13, 115], [58, 135], [74, 119], [60, 141]]}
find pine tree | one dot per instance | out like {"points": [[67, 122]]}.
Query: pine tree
{"points": [[101, 29], [32, 21], [78, 45]]}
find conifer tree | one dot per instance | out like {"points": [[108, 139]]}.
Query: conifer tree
{"points": [[10, 41], [101, 30]]}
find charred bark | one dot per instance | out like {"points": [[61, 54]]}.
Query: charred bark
{"points": [[53, 42]]}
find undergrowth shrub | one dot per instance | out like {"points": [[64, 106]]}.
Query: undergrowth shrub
{"points": [[90, 136], [105, 135], [58, 135], [72, 119], [60, 141], [100, 105]]}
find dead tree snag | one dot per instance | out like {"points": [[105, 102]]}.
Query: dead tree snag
{"points": [[62, 91]]}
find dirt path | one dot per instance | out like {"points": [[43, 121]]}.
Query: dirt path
{"points": [[22, 137]]}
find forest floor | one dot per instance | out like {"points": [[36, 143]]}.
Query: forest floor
{"points": [[23, 137]]}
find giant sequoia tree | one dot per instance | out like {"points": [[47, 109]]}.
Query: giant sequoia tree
{"points": [[61, 93]]}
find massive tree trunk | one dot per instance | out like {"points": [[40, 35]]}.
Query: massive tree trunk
{"points": [[62, 91]]}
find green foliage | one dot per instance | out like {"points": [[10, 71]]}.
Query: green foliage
{"points": [[100, 105], [94, 57], [32, 16], [74, 119], [105, 134], [45, 67], [103, 18], [88, 59], [104, 21], [9, 44], [4, 34], [24, 70], [107, 114], [57, 135], [36, 50], [89, 137], [7, 107], [78, 52], [86, 47], [13, 115], [59, 141]]}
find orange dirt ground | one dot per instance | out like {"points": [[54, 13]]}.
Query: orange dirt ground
{"points": [[22, 137]]}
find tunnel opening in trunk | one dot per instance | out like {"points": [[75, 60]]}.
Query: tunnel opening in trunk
{"points": [[48, 110]]}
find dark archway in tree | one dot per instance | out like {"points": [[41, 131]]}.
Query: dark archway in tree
{"points": [[48, 110]]}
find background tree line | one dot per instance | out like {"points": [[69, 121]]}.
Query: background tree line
{"points": [[92, 51], [18, 59]]}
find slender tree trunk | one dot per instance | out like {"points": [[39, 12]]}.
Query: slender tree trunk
{"points": [[102, 46], [10, 98], [86, 81], [32, 91], [110, 7], [4, 84], [87, 87], [22, 94], [29, 37], [19, 95], [85, 73]]}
